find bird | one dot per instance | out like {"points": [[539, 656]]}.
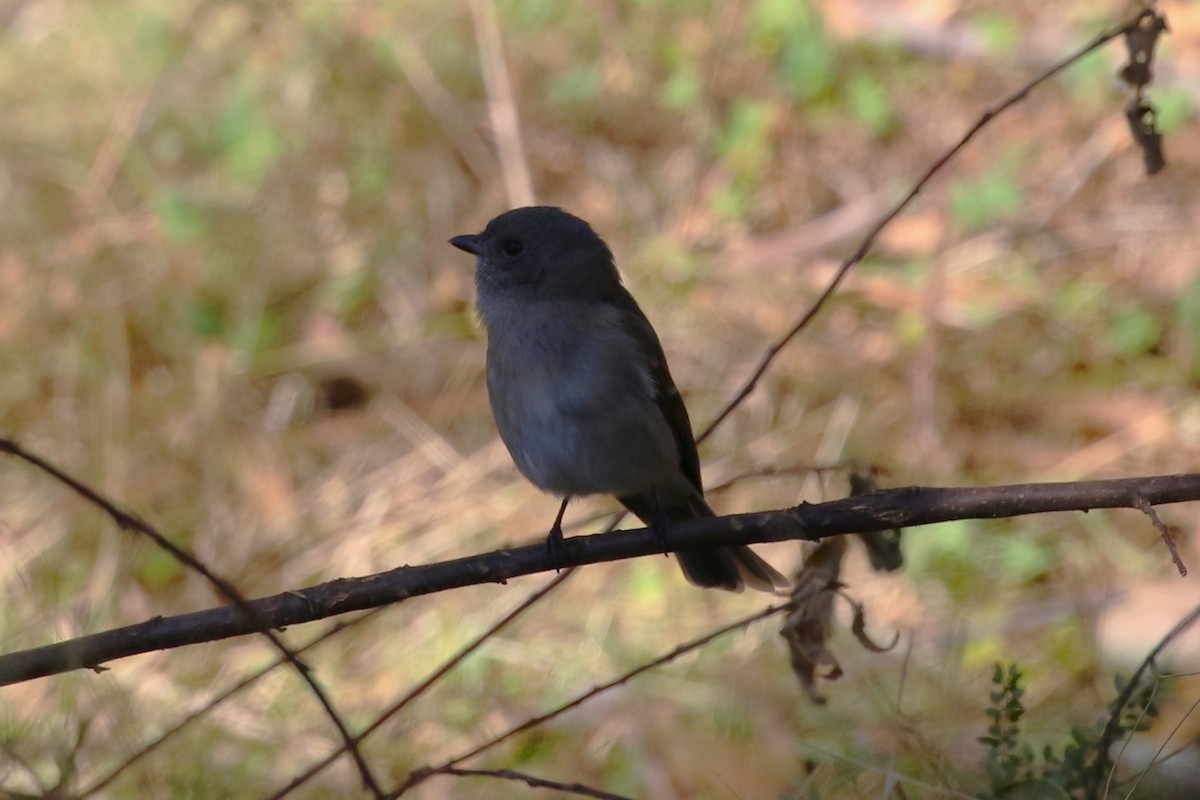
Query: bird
{"points": [[579, 385]]}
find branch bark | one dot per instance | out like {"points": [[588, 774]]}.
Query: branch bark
{"points": [[882, 510]]}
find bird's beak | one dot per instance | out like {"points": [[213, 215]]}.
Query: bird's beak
{"points": [[468, 242]]}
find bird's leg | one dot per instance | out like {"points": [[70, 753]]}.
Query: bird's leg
{"points": [[659, 529], [660, 524], [554, 540]]}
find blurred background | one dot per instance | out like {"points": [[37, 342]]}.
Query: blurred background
{"points": [[228, 303]]}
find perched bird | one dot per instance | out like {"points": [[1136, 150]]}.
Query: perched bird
{"points": [[579, 384]]}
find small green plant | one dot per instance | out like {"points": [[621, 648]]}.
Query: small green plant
{"points": [[1014, 770], [992, 197], [1008, 762]]}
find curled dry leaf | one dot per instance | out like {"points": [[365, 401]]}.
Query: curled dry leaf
{"points": [[1140, 41], [809, 625], [1138, 72]]}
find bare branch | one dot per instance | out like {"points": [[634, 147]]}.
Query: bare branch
{"points": [[243, 608], [1146, 508], [420, 775], [883, 510], [530, 780], [1097, 785], [1133, 24], [203, 710], [502, 104], [425, 685]]}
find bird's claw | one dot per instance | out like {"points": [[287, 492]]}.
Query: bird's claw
{"points": [[556, 550], [658, 530]]}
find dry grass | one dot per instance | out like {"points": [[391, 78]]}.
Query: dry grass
{"points": [[213, 209]]}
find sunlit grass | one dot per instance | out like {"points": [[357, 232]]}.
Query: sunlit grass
{"points": [[216, 214]]}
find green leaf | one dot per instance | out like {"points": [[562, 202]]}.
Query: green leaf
{"points": [[157, 569], [682, 88], [980, 203], [792, 34], [1000, 34], [208, 318], [870, 103], [179, 218], [249, 141], [1133, 331], [1173, 106], [576, 91]]}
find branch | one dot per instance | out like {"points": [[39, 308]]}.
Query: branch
{"points": [[533, 782], [442, 671], [876, 511], [254, 624], [420, 775], [211, 704], [1097, 784], [1131, 25]]}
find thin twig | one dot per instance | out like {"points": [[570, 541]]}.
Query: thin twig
{"points": [[420, 775], [1156, 760], [1098, 780], [867, 243], [502, 105], [442, 104], [530, 780], [1134, 728], [931, 790], [128, 522], [1146, 508], [160, 740], [774, 470], [426, 684]]}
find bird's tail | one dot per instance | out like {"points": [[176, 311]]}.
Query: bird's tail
{"points": [[729, 568]]}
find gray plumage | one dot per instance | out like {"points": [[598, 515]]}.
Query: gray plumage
{"points": [[579, 385]]}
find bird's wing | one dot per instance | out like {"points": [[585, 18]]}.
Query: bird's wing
{"points": [[667, 396]]}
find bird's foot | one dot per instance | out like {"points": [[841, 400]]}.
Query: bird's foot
{"points": [[658, 529], [556, 549]]}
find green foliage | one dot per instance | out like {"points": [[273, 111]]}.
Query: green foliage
{"points": [[648, 583], [1173, 105], [250, 144], [683, 86], [1126, 330], [576, 91], [980, 203], [1090, 81], [156, 569], [208, 318], [968, 556], [664, 257], [535, 14], [1132, 332], [1007, 761], [1187, 319], [1015, 770], [1025, 558], [792, 35], [347, 294], [180, 219], [869, 103], [745, 145], [999, 32], [948, 552]]}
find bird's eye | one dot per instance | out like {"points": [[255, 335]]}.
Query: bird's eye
{"points": [[512, 247]]}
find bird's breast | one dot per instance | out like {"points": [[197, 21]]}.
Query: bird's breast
{"points": [[575, 405]]}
